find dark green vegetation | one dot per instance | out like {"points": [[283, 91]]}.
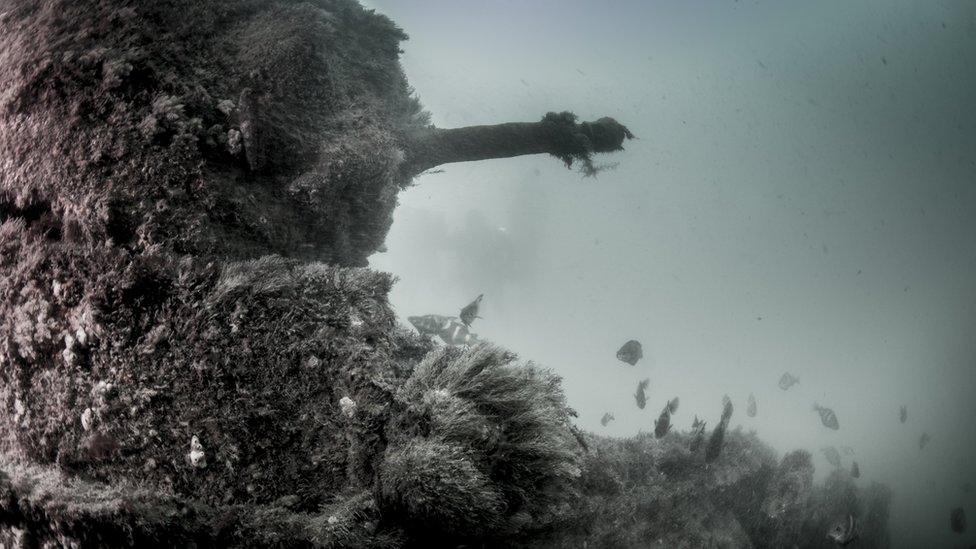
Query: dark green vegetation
{"points": [[188, 191]]}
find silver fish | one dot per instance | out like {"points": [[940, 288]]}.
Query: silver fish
{"points": [[827, 416], [641, 395], [751, 406], [607, 418], [855, 470], [844, 531], [470, 311], [787, 381], [630, 352], [903, 414], [832, 455]]}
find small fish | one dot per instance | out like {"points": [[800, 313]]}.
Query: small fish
{"points": [[844, 531], [429, 324], [903, 413], [630, 352], [751, 406], [923, 440], [788, 381], [717, 440], [827, 416], [831, 455], [855, 470], [957, 520], [673, 405], [663, 423], [698, 434], [449, 329], [458, 334], [607, 418], [847, 450], [967, 487], [641, 395], [470, 311]]}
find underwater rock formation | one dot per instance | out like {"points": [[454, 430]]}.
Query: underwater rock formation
{"points": [[190, 349], [647, 492]]}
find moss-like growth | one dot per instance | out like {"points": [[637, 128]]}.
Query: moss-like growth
{"points": [[500, 428], [647, 492], [235, 129]]}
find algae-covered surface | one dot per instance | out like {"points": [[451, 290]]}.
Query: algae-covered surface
{"points": [[193, 352]]}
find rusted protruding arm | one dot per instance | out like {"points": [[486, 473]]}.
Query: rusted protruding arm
{"points": [[557, 134]]}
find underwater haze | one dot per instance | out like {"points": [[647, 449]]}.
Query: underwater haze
{"points": [[799, 198]]}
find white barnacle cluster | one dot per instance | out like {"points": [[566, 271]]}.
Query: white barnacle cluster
{"points": [[197, 455], [348, 406], [87, 419], [101, 395], [68, 353], [19, 410]]}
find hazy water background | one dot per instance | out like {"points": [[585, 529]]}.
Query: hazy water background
{"points": [[802, 198]]}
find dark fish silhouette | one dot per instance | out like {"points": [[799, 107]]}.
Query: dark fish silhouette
{"points": [[827, 416], [967, 487], [787, 381], [607, 418], [470, 311], [844, 531], [663, 423], [832, 456], [717, 440], [698, 434], [641, 395], [673, 405], [957, 520], [855, 470], [751, 406], [449, 329], [630, 352], [923, 440], [903, 414]]}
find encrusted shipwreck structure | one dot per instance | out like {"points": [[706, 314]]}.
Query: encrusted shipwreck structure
{"points": [[190, 348]]}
